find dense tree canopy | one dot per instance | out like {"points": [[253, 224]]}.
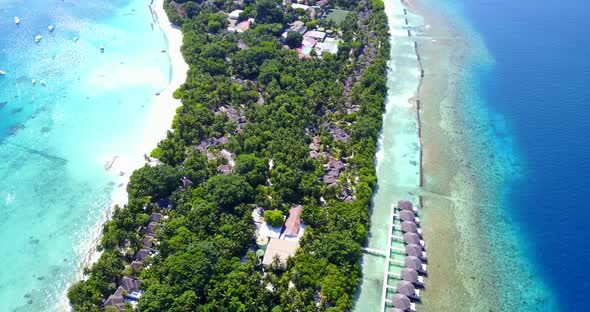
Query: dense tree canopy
{"points": [[293, 39], [247, 94]]}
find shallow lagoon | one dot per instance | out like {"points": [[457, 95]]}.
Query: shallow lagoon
{"points": [[55, 139]]}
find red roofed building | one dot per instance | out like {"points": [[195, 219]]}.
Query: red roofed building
{"points": [[293, 222]]}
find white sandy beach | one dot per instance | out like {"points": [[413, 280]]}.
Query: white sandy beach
{"points": [[163, 109], [158, 122]]}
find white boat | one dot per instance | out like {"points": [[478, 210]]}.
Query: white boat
{"points": [[75, 39], [2, 72], [38, 38], [101, 48], [17, 20], [51, 28], [34, 82], [42, 82]]}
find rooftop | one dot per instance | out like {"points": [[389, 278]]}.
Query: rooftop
{"points": [[293, 222], [279, 248]]}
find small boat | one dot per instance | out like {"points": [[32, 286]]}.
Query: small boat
{"points": [[101, 48], [51, 28], [42, 83], [2, 72], [75, 39], [34, 82], [38, 38], [17, 20]]}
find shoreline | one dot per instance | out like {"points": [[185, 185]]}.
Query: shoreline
{"points": [[158, 122], [398, 156]]}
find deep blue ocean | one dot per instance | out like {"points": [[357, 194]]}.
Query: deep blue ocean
{"points": [[540, 86]]}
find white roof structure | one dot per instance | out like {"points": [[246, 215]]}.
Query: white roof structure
{"points": [[281, 248], [267, 230], [327, 47], [235, 14], [300, 6], [319, 35]]}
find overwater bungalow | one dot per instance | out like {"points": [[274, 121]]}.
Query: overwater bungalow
{"points": [[402, 303], [413, 238], [408, 215], [411, 227], [416, 264], [416, 251], [406, 205], [412, 276], [407, 289]]}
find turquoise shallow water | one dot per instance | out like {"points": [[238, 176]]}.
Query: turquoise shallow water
{"points": [[55, 139], [397, 159]]}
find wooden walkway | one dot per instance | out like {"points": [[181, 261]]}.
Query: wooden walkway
{"points": [[388, 260]]}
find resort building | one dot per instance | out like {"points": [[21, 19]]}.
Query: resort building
{"points": [[293, 228], [279, 242], [127, 292]]}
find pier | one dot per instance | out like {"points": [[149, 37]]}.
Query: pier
{"points": [[375, 252]]}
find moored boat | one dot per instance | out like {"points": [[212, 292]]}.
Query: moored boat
{"points": [[17, 20], [38, 38], [101, 48], [51, 28]]}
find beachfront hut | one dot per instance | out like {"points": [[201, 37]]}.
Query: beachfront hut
{"points": [[137, 265], [148, 241], [412, 238], [408, 215], [116, 299], [151, 228], [401, 302], [143, 253], [130, 284], [411, 276], [410, 227], [224, 169], [407, 289], [329, 179], [405, 205], [155, 217]]}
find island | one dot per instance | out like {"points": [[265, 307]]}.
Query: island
{"points": [[258, 199]]}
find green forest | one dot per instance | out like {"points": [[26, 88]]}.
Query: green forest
{"points": [[262, 105]]}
